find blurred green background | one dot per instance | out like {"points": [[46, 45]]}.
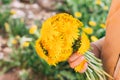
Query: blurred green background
{"points": [[20, 23]]}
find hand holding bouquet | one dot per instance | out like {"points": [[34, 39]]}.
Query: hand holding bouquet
{"points": [[62, 35]]}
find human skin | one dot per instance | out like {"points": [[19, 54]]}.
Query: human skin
{"points": [[110, 54], [75, 59], [108, 49]]}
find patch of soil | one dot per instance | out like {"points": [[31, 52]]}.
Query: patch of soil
{"points": [[11, 75], [40, 10]]}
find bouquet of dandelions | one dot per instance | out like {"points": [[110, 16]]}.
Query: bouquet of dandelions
{"points": [[61, 35]]}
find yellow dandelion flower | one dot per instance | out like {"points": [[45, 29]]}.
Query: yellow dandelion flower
{"points": [[59, 39], [98, 2], [70, 34], [105, 8], [17, 37], [78, 14], [32, 29], [85, 44], [92, 23], [103, 25], [94, 38], [25, 44], [12, 12], [40, 51], [57, 32], [88, 30], [7, 27], [81, 66], [14, 41]]}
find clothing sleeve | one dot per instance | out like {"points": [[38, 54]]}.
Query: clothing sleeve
{"points": [[111, 47]]}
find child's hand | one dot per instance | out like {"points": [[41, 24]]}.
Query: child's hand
{"points": [[75, 59]]}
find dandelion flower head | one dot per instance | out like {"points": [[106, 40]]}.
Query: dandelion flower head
{"points": [[58, 34]]}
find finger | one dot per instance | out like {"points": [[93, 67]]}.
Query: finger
{"points": [[117, 71], [74, 57], [85, 66], [76, 62]]}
